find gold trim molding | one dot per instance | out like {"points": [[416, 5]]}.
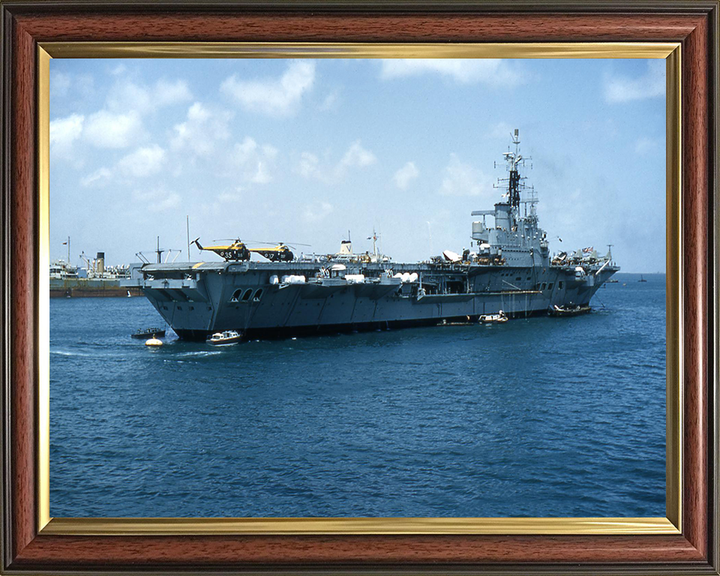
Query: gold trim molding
{"points": [[326, 526], [356, 50], [288, 526]]}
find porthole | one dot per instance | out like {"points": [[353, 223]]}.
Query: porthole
{"points": [[246, 296], [236, 295], [258, 295]]}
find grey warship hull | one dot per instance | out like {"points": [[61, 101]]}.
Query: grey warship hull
{"points": [[510, 269], [197, 300]]}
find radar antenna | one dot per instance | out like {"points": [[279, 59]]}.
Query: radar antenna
{"points": [[513, 159], [515, 182]]}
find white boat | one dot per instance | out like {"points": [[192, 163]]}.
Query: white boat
{"points": [[498, 318], [226, 337]]}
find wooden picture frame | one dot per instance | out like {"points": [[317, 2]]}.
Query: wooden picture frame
{"points": [[30, 545]]}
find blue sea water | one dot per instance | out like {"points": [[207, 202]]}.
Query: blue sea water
{"points": [[536, 417]]}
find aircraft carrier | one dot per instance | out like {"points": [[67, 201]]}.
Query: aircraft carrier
{"points": [[509, 268]]}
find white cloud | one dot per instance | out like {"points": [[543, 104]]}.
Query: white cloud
{"points": [[255, 161], [317, 211], [355, 157], [272, 96], [98, 178], [143, 162], [127, 95], [405, 175], [167, 93], [649, 85], [231, 197], [110, 130], [331, 101], [64, 131], [157, 199], [202, 131], [309, 165], [486, 71], [465, 180]]}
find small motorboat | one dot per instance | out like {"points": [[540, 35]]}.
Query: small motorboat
{"points": [[568, 310], [498, 318], [225, 337], [145, 333]]}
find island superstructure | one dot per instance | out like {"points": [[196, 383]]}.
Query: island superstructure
{"points": [[509, 268]]}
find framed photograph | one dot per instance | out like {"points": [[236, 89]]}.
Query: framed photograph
{"points": [[419, 397]]}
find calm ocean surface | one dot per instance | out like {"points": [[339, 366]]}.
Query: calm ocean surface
{"points": [[538, 417]]}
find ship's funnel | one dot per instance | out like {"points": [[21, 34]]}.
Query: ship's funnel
{"points": [[100, 259], [346, 248]]}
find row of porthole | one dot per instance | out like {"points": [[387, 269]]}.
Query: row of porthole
{"points": [[236, 297], [549, 286]]}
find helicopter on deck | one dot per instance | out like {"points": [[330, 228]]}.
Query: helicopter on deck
{"points": [[238, 251]]}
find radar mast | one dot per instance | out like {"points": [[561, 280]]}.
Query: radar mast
{"points": [[516, 184]]}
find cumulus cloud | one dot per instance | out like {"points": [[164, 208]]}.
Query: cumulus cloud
{"points": [[143, 162], [127, 95], [272, 96], [331, 101], [113, 130], [65, 131], [230, 197], [202, 131], [356, 156], [405, 175], [97, 179], [493, 72], [167, 93], [157, 199], [317, 211], [309, 165], [649, 85], [255, 161], [462, 179]]}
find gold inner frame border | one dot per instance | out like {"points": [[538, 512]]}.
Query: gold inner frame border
{"points": [[671, 524]]}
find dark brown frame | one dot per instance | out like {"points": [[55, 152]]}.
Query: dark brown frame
{"points": [[693, 23]]}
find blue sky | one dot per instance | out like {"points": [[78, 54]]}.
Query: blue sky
{"points": [[304, 150]]}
